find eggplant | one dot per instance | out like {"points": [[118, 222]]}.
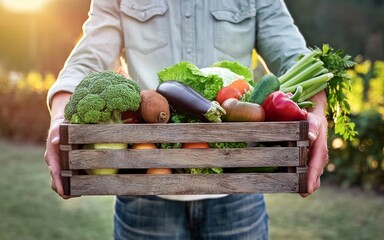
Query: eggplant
{"points": [[183, 99]]}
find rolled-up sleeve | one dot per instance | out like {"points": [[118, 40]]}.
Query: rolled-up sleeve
{"points": [[97, 50], [278, 40]]}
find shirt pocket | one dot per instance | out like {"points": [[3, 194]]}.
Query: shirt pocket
{"points": [[234, 30], [144, 24]]}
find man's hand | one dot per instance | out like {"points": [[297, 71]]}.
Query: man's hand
{"points": [[318, 148], [52, 152]]}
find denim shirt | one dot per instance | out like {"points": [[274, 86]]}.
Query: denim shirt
{"points": [[154, 34]]}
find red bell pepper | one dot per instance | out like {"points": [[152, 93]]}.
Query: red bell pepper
{"points": [[279, 106]]}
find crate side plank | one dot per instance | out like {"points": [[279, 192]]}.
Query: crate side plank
{"points": [[189, 132], [134, 184], [184, 158]]}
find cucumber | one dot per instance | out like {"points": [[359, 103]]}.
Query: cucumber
{"points": [[268, 84]]}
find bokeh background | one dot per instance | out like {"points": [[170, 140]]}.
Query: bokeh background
{"points": [[36, 38]]}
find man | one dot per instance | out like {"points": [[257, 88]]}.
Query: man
{"points": [[154, 34]]}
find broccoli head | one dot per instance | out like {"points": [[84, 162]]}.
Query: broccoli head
{"points": [[101, 97]]}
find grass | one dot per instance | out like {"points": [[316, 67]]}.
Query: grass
{"points": [[331, 213], [30, 210]]}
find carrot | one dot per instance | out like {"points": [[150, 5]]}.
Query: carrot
{"points": [[154, 108], [196, 145], [241, 85], [151, 170], [238, 111], [144, 146]]}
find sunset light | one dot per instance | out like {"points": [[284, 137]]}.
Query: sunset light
{"points": [[23, 5]]}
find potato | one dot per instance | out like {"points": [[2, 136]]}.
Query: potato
{"points": [[154, 107]]}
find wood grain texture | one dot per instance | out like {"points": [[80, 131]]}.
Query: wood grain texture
{"points": [[184, 158], [185, 132], [136, 184]]}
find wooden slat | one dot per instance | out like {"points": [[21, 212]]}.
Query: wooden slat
{"points": [[184, 158], [188, 132], [135, 184]]}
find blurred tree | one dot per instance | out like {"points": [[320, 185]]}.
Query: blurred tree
{"points": [[361, 162], [353, 25]]}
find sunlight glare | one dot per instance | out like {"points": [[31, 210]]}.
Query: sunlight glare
{"points": [[338, 143], [23, 5]]}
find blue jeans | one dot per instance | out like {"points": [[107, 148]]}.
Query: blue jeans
{"points": [[234, 217]]}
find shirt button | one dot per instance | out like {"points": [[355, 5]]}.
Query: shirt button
{"points": [[188, 15], [143, 14], [189, 50]]}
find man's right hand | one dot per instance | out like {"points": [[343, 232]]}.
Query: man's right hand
{"points": [[52, 152]]}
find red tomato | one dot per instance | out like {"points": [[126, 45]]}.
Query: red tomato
{"points": [[226, 93]]}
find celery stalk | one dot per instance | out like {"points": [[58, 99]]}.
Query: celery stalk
{"points": [[322, 78], [312, 92], [292, 73], [307, 58], [307, 73], [312, 88], [321, 72]]}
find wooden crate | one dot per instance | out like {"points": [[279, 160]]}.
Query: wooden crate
{"points": [[290, 157]]}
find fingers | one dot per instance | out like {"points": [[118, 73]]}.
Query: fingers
{"points": [[318, 152], [52, 157], [316, 186], [314, 127]]}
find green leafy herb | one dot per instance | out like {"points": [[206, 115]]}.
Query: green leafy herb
{"points": [[338, 107]]}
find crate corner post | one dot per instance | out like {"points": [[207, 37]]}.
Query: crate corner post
{"points": [[64, 159]]}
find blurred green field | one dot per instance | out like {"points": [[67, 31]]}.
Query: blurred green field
{"points": [[29, 209]]}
